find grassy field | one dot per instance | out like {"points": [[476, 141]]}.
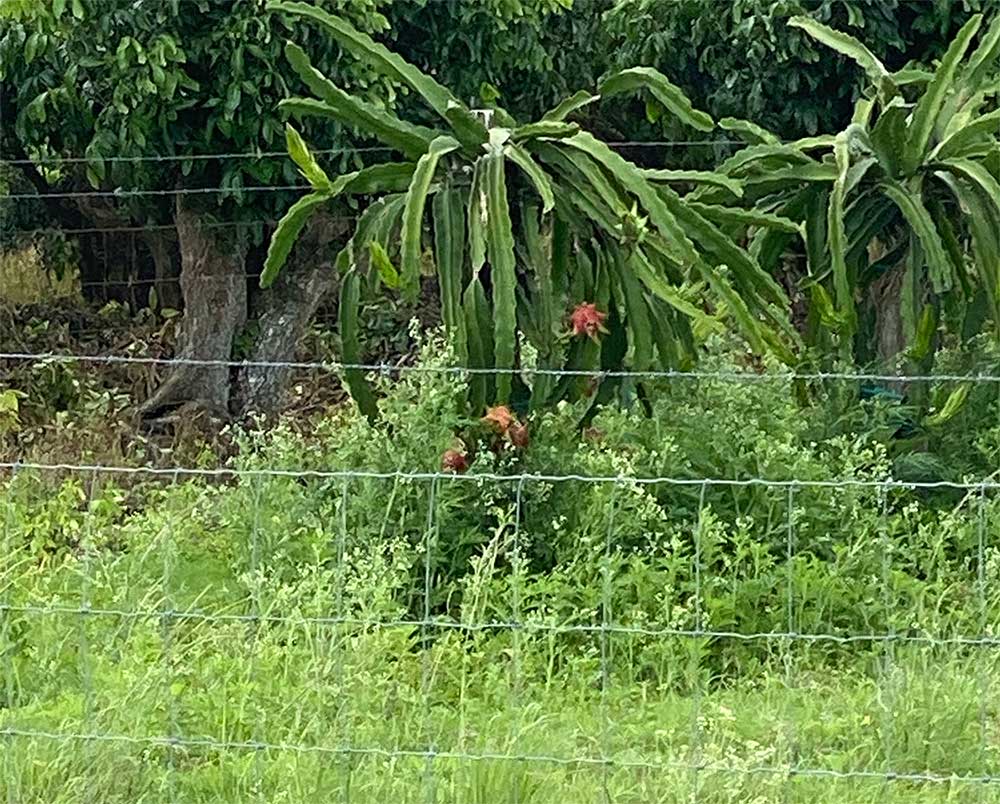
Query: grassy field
{"points": [[348, 717], [321, 637], [271, 698]]}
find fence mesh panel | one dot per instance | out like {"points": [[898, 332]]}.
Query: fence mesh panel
{"points": [[496, 691]]}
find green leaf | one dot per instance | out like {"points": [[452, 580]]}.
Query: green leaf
{"points": [[449, 250], [740, 162], [569, 105], [983, 61], [848, 46], [985, 227], [812, 143], [636, 314], [376, 178], [386, 270], [361, 392], [534, 172], [749, 275], [335, 103], [747, 323], [657, 84], [632, 179], [863, 109], [700, 177], [770, 244], [836, 236], [857, 172], [983, 130], [302, 157], [924, 339], [540, 262], [546, 128], [751, 132], [654, 111], [908, 77], [500, 243], [585, 175], [575, 192], [58, 7], [468, 129], [824, 306], [745, 217], [815, 225], [477, 327], [388, 177], [956, 400], [286, 233], [977, 175], [476, 219], [889, 137], [31, 47], [370, 120], [659, 287], [373, 224], [912, 206], [925, 115], [77, 6], [413, 215]]}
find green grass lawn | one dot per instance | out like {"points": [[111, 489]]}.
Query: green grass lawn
{"points": [[264, 639], [350, 713]]}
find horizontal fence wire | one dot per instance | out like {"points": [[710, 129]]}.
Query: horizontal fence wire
{"points": [[123, 193], [410, 368], [496, 477], [171, 615], [388, 753], [156, 227], [546, 759], [525, 626], [258, 155]]}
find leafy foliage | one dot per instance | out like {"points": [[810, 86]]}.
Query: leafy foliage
{"points": [[254, 571], [523, 55], [894, 203], [109, 80], [605, 232], [747, 63]]}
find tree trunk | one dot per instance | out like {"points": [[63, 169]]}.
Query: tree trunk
{"points": [[283, 313], [213, 285], [161, 246], [886, 298]]}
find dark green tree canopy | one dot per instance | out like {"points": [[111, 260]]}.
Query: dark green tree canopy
{"points": [[741, 59]]}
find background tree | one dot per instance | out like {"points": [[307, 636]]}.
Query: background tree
{"points": [[149, 95], [741, 59]]}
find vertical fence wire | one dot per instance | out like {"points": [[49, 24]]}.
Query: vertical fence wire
{"points": [[341, 646], [426, 658], [9, 562], [887, 685], [257, 738], [607, 750], [167, 614], [694, 646], [981, 631], [516, 636], [788, 644], [86, 546]]}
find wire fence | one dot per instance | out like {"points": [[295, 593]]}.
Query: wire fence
{"points": [[234, 684], [435, 735]]}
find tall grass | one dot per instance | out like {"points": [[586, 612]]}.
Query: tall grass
{"points": [[264, 638]]}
